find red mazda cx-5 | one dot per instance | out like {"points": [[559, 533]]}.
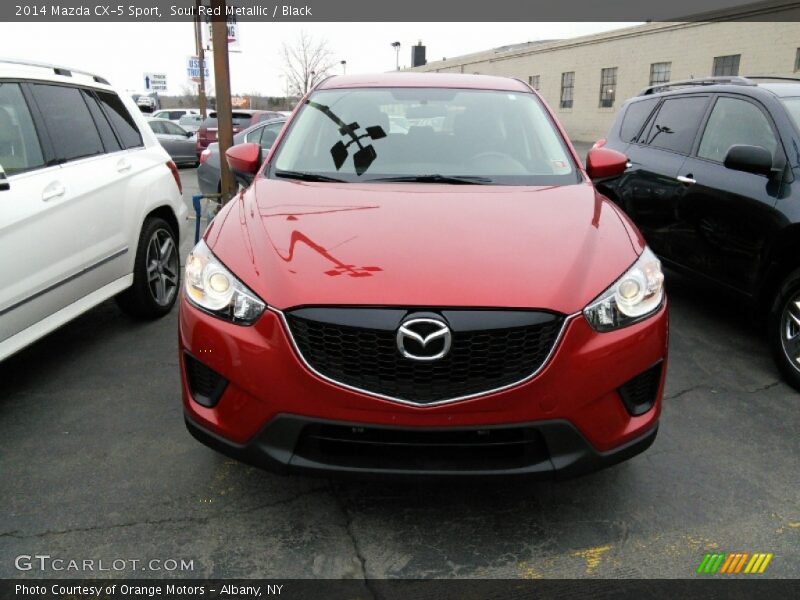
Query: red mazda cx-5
{"points": [[422, 280]]}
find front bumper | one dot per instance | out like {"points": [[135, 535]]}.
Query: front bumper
{"points": [[572, 407], [294, 444]]}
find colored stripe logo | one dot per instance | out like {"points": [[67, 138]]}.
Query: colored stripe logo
{"points": [[735, 562]]}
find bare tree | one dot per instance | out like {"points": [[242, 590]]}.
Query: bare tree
{"points": [[306, 62]]}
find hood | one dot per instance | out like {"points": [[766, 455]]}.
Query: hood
{"points": [[297, 243]]}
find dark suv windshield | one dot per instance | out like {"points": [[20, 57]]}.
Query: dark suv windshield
{"points": [[425, 134], [793, 106]]}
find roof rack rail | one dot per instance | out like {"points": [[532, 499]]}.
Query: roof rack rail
{"points": [[660, 87], [64, 71], [775, 77]]}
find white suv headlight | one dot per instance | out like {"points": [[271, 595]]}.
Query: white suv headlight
{"points": [[631, 298], [210, 286]]}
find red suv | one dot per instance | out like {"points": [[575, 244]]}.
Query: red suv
{"points": [[242, 119], [447, 297]]}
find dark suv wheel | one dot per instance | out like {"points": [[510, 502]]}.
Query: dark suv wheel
{"points": [[784, 329], [156, 272]]}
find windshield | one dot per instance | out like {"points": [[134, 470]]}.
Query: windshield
{"points": [[424, 134], [793, 107]]}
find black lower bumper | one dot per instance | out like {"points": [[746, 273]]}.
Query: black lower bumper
{"points": [[540, 450]]}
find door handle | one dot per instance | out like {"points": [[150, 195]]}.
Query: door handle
{"points": [[53, 190], [687, 179], [123, 165]]}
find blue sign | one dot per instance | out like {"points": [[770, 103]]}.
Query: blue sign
{"points": [[193, 68]]}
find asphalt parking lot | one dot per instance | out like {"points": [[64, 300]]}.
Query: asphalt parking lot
{"points": [[96, 463]]}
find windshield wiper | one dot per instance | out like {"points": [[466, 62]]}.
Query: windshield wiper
{"points": [[303, 176], [435, 178]]}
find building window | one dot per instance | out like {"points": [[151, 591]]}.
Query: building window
{"points": [[533, 81], [726, 65], [660, 72], [608, 86], [797, 60], [567, 85]]}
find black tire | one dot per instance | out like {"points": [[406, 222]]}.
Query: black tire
{"points": [[143, 300], [784, 329]]}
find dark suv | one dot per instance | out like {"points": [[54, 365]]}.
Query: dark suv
{"points": [[711, 184]]}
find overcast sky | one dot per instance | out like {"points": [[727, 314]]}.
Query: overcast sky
{"points": [[123, 52]]}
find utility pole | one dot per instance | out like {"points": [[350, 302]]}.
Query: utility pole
{"points": [[222, 81], [201, 57], [396, 46]]}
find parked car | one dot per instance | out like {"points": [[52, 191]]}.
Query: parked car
{"points": [[710, 185], [447, 303], [180, 144], [208, 173], [242, 119], [175, 114], [146, 103], [91, 203], [190, 122]]}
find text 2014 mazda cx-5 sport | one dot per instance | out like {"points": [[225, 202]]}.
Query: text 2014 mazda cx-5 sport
{"points": [[422, 280]]}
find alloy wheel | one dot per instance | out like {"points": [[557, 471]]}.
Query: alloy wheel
{"points": [[790, 331], [162, 267]]}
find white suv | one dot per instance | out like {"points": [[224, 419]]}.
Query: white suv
{"points": [[90, 204]]}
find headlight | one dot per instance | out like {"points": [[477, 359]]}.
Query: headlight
{"points": [[210, 286], [631, 298]]}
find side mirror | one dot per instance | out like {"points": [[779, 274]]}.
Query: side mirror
{"points": [[750, 159], [244, 159], [4, 185], [605, 162], [189, 134]]}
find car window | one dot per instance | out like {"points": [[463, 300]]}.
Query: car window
{"points": [[121, 119], [793, 107], [173, 129], [176, 114], [157, 127], [19, 145], [240, 119], [500, 136], [635, 116], [675, 125], [68, 120], [254, 136], [110, 141], [269, 135], [735, 121]]}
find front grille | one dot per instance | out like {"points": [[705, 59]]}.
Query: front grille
{"points": [[490, 350], [419, 450], [205, 384], [639, 394]]}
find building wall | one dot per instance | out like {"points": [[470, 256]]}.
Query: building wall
{"points": [[766, 48]]}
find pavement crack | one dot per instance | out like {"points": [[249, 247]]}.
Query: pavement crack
{"points": [[354, 541], [50, 533], [765, 387], [680, 393], [718, 389]]}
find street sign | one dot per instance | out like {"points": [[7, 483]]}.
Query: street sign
{"points": [[193, 68], [233, 33], [155, 82]]}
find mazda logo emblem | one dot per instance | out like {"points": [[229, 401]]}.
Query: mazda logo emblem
{"points": [[424, 338]]}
